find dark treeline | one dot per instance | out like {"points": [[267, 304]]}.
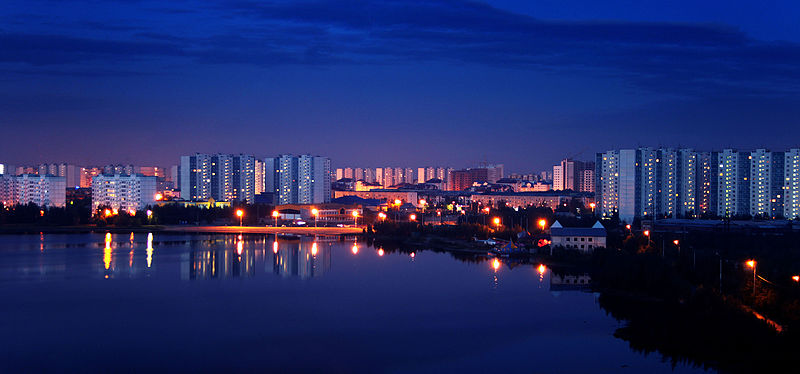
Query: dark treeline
{"points": [[31, 214]]}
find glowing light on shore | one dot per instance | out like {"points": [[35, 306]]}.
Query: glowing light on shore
{"points": [[496, 264]]}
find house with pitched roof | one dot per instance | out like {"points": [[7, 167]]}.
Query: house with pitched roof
{"points": [[584, 239]]}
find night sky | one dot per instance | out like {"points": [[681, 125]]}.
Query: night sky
{"points": [[452, 83]]}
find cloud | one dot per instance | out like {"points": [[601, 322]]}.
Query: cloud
{"points": [[673, 58]]}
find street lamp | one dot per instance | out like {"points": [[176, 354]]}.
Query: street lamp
{"points": [[382, 216], [412, 217], [647, 234], [149, 214], [315, 213], [796, 278], [752, 264], [542, 224], [355, 218], [592, 205], [496, 221], [240, 214], [275, 214]]}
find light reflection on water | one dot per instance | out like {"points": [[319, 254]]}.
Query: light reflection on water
{"points": [[366, 309]]}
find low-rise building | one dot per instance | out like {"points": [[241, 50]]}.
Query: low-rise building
{"points": [[584, 239], [550, 199]]}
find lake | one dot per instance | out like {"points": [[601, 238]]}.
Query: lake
{"points": [[209, 303]]}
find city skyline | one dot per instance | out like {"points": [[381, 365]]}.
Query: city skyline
{"points": [[460, 82]]}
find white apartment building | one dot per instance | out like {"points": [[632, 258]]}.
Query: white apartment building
{"points": [[123, 192], [42, 190], [791, 185], [301, 179], [223, 177]]}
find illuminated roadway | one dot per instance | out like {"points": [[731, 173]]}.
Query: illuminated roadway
{"points": [[267, 230]]}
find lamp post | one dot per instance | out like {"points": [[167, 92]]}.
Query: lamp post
{"points": [[752, 264], [647, 234], [412, 217], [315, 213], [542, 224], [240, 214], [592, 205], [355, 218], [496, 222], [275, 215], [382, 216], [422, 204]]}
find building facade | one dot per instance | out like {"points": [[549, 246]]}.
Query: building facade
{"points": [[303, 179], [123, 192], [42, 190], [222, 177], [666, 182]]}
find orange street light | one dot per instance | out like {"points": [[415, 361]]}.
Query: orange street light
{"points": [[676, 242], [412, 217], [496, 221], [107, 212], [422, 202], [382, 216], [276, 214], [796, 278], [592, 205], [315, 213], [355, 218], [240, 214], [752, 264], [487, 210], [159, 197], [397, 202], [542, 224]]}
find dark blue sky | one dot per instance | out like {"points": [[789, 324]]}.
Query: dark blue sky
{"points": [[393, 83]]}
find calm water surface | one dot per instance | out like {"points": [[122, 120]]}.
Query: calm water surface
{"points": [[90, 303]]}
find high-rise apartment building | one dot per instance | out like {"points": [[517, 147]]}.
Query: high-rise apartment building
{"points": [[259, 176], [766, 183], [733, 185], [223, 177], [646, 182], [124, 192], [791, 184], [87, 174], [681, 182], [303, 179], [571, 175], [42, 190]]}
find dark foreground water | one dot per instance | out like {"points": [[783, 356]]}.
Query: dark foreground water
{"points": [[162, 303]]}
